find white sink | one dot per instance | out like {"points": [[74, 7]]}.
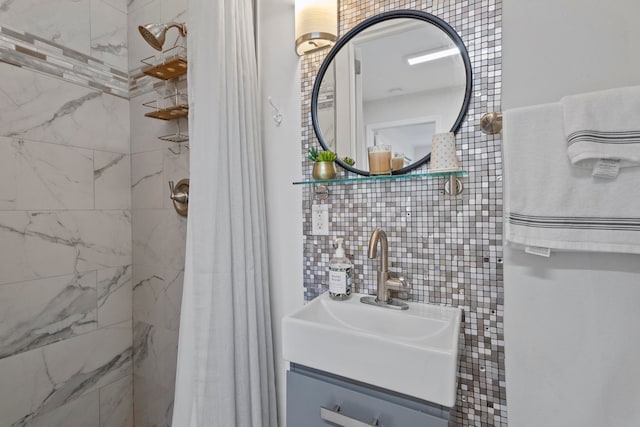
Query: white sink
{"points": [[413, 352]]}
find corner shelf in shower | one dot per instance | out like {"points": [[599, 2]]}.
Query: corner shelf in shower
{"points": [[171, 64], [416, 176], [171, 69], [168, 113], [177, 137], [167, 66]]}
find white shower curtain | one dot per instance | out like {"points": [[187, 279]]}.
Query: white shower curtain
{"points": [[225, 371]]}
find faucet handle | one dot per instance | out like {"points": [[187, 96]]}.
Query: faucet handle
{"points": [[398, 284], [404, 282]]}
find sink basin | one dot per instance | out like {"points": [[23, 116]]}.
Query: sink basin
{"points": [[413, 352]]}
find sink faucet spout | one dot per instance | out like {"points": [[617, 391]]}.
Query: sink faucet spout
{"points": [[379, 235]]}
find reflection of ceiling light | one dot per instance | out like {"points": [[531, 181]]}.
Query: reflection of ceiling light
{"points": [[419, 59]]}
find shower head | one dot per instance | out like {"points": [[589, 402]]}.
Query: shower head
{"points": [[154, 34]]}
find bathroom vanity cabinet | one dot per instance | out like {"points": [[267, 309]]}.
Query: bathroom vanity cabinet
{"points": [[320, 399]]}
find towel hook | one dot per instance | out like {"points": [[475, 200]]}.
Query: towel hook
{"points": [[277, 115]]}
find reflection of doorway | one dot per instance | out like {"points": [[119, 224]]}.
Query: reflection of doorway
{"points": [[411, 136]]}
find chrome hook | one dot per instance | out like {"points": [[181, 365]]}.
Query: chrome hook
{"points": [[277, 115]]}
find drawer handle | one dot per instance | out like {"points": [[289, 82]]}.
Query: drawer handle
{"points": [[334, 416]]}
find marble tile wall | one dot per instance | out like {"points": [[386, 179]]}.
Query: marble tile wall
{"points": [[96, 28], [158, 231], [449, 248], [66, 279], [159, 235], [89, 240]]}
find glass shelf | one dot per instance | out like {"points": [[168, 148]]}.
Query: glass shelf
{"points": [[382, 178]]}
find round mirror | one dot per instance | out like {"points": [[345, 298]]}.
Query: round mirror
{"points": [[395, 79]]}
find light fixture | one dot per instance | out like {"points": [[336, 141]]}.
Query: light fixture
{"points": [[444, 159], [432, 56], [443, 153], [316, 25], [154, 34]]}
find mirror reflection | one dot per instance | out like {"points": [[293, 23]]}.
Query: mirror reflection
{"points": [[396, 82]]}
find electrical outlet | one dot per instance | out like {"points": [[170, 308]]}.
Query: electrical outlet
{"points": [[320, 220]]}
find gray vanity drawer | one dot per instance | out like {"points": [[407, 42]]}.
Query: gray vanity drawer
{"points": [[309, 390]]}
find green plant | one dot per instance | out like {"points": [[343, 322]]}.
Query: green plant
{"points": [[349, 161], [321, 156], [313, 154], [327, 156]]}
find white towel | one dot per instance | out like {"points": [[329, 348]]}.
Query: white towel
{"points": [[603, 125], [549, 203]]}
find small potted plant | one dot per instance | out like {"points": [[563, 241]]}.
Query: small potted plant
{"points": [[324, 167], [348, 161]]}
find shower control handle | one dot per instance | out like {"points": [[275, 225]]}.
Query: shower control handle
{"points": [[179, 194]]}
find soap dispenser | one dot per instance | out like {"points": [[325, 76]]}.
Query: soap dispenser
{"points": [[339, 273]]}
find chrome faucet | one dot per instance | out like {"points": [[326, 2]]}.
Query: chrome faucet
{"points": [[379, 235], [385, 282]]}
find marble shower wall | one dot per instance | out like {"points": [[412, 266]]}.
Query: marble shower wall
{"points": [[449, 248], [158, 231], [92, 251], [65, 219], [95, 28]]}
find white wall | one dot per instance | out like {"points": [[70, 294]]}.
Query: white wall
{"points": [[416, 105], [572, 325], [555, 48], [279, 68]]}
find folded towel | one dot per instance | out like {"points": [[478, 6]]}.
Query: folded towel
{"points": [[548, 203], [603, 125]]}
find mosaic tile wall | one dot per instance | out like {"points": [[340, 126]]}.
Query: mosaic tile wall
{"points": [[450, 248], [30, 51]]}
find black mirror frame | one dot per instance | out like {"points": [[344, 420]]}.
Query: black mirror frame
{"points": [[414, 14]]}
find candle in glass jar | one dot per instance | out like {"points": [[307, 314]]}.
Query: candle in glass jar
{"points": [[397, 161], [380, 160]]}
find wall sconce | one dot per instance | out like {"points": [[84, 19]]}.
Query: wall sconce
{"points": [[444, 159], [154, 34], [316, 25]]}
